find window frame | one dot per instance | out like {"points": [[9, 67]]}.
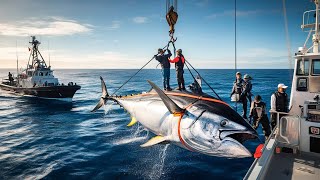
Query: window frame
{"points": [[312, 67], [302, 88], [298, 65]]}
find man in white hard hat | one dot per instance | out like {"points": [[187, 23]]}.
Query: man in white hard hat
{"points": [[279, 102]]}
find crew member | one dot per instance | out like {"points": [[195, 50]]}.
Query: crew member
{"points": [[237, 86], [259, 114], [246, 94], [10, 78], [279, 103], [179, 64], [165, 64]]}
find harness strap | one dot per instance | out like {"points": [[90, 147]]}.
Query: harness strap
{"points": [[179, 126]]}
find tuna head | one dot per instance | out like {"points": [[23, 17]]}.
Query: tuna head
{"points": [[215, 135]]}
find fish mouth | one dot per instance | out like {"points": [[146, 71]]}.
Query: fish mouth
{"points": [[236, 139], [240, 136]]}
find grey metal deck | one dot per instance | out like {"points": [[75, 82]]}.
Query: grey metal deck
{"points": [[294, 166]]}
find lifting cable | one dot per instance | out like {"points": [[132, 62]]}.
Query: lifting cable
{"points": [[138, 70], [201, 78], [172, 17], [235, 45], [287, 36]]}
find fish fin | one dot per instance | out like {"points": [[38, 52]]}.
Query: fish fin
{"points": [[133, 121], [104, 88], [172, 106], [155, 140], [98, 106], [104, 95]]}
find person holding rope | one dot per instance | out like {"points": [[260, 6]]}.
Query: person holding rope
{"points": [[179, 64], [165, 65]]}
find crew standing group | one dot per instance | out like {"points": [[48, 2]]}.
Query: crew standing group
{"points": [[241, 93], [164, 60]]}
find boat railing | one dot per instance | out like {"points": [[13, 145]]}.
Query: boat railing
{"points": [[308, 21], [270, 149], [278, 134]]}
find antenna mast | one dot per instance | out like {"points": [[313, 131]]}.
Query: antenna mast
{"points": [[17, 57], [49, 52], [315, 37]]}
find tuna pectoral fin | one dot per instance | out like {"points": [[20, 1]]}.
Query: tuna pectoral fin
{"points": [[103, 96], [155, 140], [133, 121], [172, 106]]}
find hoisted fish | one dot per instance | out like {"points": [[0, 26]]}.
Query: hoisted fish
{"points": [[196, 122]]}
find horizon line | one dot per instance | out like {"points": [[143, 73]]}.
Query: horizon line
{"points": [[160, 68]]}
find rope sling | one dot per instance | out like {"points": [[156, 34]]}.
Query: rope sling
{"points": [[172, 18]]}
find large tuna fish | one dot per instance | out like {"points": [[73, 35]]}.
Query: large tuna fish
{"points": [[196, 122]]}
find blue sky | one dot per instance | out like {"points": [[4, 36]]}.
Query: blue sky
{"points": [[126, 34]]}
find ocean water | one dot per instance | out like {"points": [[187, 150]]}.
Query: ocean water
{"points": [[43, 139]]}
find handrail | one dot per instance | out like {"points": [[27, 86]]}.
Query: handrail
{"points": [[272, 136]]}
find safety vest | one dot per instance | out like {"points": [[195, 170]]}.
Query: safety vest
{"points": [[281, 101], [180, 64], [258, 109], [238, 84]]}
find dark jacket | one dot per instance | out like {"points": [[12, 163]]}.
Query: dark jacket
{"points": [[246, 89], [164, 59], [253, 109], [281, 101]]}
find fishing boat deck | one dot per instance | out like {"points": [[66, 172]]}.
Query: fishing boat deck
{"points": [[294, 166]]}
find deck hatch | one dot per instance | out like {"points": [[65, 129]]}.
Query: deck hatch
{"points": [[314, 144]]}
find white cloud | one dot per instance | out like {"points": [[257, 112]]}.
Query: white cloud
{"points": [[54, 26], [114, 25], [140, 20]]}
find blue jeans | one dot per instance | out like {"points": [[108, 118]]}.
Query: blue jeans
{"points": [[166, 78]]}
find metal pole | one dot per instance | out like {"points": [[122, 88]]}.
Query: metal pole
{"points": [[235, 43], [17, 56], [315, 38], [235, 36]]}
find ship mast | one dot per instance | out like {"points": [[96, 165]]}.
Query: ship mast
{"points": [[35, 53], [315, 37]]}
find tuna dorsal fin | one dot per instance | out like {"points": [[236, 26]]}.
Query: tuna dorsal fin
{"points": [[155, 140], [133, 121], [172, 106]]}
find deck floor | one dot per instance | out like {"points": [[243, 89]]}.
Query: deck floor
{"points": [[292, 166]]}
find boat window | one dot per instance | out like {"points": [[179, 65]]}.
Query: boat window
{"points": [[46, 73], [41, 73], [302, 84], [316, 67], [303, 67]]}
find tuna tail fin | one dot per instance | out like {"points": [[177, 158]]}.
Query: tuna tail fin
{"points": [[172, 106], [104, 95]]}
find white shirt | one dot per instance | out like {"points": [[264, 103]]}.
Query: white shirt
{"points": [[273, 102]]}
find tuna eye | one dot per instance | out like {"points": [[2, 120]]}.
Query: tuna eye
{"points": [[223, 123]]}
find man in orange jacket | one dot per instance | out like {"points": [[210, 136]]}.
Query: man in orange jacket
{"points": [[179, 64]]}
